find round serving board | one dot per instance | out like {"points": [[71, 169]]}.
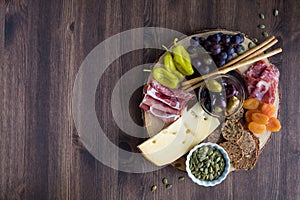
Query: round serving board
{"points": [[153, 125]]}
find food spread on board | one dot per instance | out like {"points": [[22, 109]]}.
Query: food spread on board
{"points": [[194, 95]]}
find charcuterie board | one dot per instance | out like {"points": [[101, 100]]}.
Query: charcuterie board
{"points": [[155, 125]]}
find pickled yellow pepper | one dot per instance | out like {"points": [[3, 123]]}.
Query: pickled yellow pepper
{"points": [[165, 77], [169, 64], [182, 59]]}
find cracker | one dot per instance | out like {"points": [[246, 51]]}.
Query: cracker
{"points": [[232, 130], [248, 162], [237, 116], [247, 143], [233, 150]]}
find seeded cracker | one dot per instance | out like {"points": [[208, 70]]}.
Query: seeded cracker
{"points": [[249, 162], [233, 150], [247, 143], [232, 130], [237, 116]]}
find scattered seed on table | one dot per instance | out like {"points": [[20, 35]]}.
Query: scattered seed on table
{"points": [[255, 40], [181, 178], [164, 181], [153, 188], [262, 16], [168, 186], [261, 26], [265, 34], [275, 12]]}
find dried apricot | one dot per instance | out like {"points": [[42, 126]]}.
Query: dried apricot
{"points": [[268, 109], [256, 127], [260, 118], [251, 104], [248, 115], [273, 125]]}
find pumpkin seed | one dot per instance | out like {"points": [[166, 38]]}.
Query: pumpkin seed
{"points": [[211, 177], [169, 186], [265, 34], [165, 181], [276, 12], [153, 188], [261, 16], [261, 26], [181, 178], [206, 171], [255, 40], [178, 165]]}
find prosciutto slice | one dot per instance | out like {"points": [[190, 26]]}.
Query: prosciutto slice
{"points": [[154, 103], [173, 102], [262, 80], [177, 93], [166, 117], [164, 103]]}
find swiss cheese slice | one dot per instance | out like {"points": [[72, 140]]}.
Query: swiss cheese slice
{"points": [[177, 139]]}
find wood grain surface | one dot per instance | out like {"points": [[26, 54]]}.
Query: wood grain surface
{"points": [[42, 45]]}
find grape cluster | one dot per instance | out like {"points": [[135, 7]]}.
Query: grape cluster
{"points": [[221, 47]]}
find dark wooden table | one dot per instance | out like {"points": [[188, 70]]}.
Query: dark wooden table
{"points": [[42, 46]]}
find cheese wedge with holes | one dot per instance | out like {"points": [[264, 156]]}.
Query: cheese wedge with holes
{"points": [[177, 139]]}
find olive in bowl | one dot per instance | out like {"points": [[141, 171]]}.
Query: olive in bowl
{"points": [[222, 95], [207, 164]]}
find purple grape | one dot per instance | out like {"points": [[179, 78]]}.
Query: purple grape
{"points": [[229, 57], [216, 38], [204, 70], [207, 44], [229, 50], [225, 39], [195, 41], [241, 37], [235, 39], [238, 48], [222, 56], [215, 49], [220, 34], [208, 60], [196, 63], [220, 63], [201, 40], [191, 50]]}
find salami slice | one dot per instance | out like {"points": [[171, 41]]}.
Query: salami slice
{"points": [[262, 80]]}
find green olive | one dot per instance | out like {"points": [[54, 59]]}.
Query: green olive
{"points": [[233, 104], [213, 85]]}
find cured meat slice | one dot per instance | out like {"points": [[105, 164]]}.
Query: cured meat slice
{"points": [[164, 103], [164, 116], [180, 94], [173, 102], [148, 100], [262, 80]]}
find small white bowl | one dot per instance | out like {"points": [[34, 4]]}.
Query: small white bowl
{"points": [[214, 182]]}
